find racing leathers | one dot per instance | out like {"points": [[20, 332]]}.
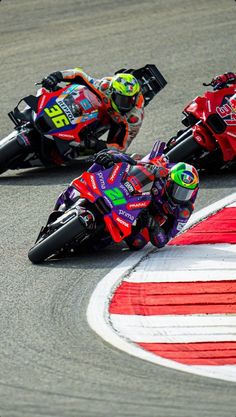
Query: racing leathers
{"points": [[164, 219], [122, 128], [160, 222]]}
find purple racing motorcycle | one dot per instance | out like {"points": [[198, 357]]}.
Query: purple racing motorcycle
{"points": [[109, 204]]}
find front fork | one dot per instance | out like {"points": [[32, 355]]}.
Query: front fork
{"points": [[23, 138], [20, 136]]}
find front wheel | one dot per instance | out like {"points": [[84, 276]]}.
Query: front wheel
{"points": [[10, 151], [186, 149], [51, 242]]}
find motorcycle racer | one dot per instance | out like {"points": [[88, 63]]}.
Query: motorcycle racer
{"points": [[173, 194], [171, 207], [122, 98]]}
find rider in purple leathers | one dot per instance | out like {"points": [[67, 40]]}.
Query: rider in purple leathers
{"points": [[174, 192], [171, 207]]}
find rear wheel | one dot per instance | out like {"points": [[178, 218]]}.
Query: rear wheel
{"points": [[10, 151], [52, 242]]}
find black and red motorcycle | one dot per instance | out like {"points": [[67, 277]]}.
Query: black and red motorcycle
{"points": [[209, 140], [54, 127]]}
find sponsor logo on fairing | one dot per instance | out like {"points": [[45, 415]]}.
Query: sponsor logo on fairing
{"points": [[65, 135], [140, 204], [93, 182], [66, 110], [125, 214], [114, 174], [102, 182], [129, 186], [126, 192], [121, 221]]}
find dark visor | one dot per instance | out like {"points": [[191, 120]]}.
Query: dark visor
{"points": [[124, 103]]}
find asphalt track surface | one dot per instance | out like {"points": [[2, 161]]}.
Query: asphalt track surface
{"points": [[51, 362]]}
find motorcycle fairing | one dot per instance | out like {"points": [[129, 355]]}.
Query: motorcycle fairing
{"points": [[64, 113], [216, 110], [122, 207]]}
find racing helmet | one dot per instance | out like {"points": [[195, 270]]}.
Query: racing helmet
{"points": [[124, 90], [182, 182]]}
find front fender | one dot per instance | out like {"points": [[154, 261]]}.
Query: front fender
{"points": [[203, 137]]}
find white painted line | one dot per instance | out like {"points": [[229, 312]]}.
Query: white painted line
{"points": [[175, 329], [223, 372], [172, 321], [206, 263]]}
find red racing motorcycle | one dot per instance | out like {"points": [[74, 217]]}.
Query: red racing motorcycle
{"points": [[54, 127], [209, 140]]}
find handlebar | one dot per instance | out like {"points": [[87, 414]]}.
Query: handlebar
{"points": [[207, 84], [51, 89], [218, 86]]}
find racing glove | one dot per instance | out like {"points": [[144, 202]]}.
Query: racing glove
{"points": [[220, 81], [51, 81], [105, 159], [157, 234], [158, 166]]}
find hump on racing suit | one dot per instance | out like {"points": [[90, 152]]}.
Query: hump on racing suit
{"points": [[123, 128]]}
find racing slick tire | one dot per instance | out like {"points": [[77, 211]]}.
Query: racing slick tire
{"points": [[185, 150], [10, 151], [51, 244]]}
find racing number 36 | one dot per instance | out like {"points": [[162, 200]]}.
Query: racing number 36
{"points": [[58, 117]]}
